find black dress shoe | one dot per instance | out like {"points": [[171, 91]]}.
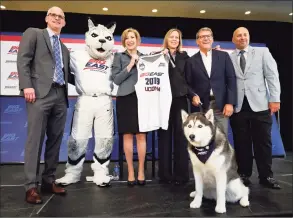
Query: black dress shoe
{"points": [[141, 182], [270, 182], [245, 179], [131, 183]]}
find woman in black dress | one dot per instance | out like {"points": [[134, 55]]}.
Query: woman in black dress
{"points": [[125, 74]]}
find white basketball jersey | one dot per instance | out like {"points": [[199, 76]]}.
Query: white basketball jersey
{"points": [[153, 92]]}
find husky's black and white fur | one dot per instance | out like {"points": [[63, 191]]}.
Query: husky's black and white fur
{"points": [[216, 174]]}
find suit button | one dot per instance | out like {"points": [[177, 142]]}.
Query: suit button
{"points": [[53, 67]]}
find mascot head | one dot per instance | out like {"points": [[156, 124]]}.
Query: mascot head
{"points": [[99, 40]]}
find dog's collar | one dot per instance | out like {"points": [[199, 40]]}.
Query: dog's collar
{"points": [[204, 153]]}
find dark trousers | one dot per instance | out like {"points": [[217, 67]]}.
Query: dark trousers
{"points": [[174, 136], [45, 116], [252, 129]]}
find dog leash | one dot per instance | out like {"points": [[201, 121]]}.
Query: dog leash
{"points": [[200, 105]]}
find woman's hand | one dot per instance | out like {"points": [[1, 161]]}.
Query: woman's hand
{"points": [[133, 61]]}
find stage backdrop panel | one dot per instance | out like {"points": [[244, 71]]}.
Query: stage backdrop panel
{"points": [[13, 110]]}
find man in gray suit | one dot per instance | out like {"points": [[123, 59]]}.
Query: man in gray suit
{"points": [[44, 73], [258, 98]]}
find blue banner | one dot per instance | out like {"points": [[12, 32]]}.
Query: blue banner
{"points": [[14, 133]]}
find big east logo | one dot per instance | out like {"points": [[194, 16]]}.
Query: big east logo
{"points": [[96, 65], [13, 50], [13, 76]]}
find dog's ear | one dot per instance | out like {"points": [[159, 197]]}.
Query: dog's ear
{"points": [[90, 24], [184, 115], [209, 115]]}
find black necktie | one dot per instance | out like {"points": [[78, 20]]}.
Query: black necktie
{"points": [[242, 60]]}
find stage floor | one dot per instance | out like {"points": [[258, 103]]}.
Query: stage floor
{"points": [[153, 200]]}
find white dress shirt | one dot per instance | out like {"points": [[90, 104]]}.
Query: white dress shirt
{"points": [[207, 60], [239, 55]]}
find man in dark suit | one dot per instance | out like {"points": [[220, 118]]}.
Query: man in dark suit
{"points": [[211, 77], [44, 73]]}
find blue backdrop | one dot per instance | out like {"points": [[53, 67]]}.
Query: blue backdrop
{"points": [[14, 120], [14, 132]]}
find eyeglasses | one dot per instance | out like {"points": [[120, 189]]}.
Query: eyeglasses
{"points": [[205, 36], [56, 15]]}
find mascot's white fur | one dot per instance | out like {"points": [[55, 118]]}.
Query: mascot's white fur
{"points": [[92, 69]]}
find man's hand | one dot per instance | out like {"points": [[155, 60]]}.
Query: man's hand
{"points": [[196, 100], [29, 94], [274, 107], [228, 110]]}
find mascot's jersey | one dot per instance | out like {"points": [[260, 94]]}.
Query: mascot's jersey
{"points": [[153, 92], [92, 76]]}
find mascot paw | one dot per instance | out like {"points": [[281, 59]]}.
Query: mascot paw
{"points": [[102, 180], [68, 179]]}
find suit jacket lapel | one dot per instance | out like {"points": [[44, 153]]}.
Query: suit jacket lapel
{"points": [[213, 62], [250, 57], [65, 60], [64, 54], [47, 40], [200, 63]]}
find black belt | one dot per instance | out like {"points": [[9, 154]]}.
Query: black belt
{"points": [[57, 85], [211, 98]]}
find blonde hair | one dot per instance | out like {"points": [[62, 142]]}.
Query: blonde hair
{"points": [[165, 42], [125, 34]]}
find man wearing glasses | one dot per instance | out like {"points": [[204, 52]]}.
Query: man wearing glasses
{"points": [[44, 73], [211, 77]]}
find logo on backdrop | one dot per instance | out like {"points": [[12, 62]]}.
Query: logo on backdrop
{"points": [[13, 109], [13, 50], [9, 137], [13, 76]]}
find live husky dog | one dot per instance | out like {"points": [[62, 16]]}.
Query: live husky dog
{"points": [[213, 162]]}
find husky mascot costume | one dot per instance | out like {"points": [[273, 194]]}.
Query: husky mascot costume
{"points": [[92, 69]]}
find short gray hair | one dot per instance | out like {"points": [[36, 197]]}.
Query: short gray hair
{"points": [[49, 10], [204, 29]]}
